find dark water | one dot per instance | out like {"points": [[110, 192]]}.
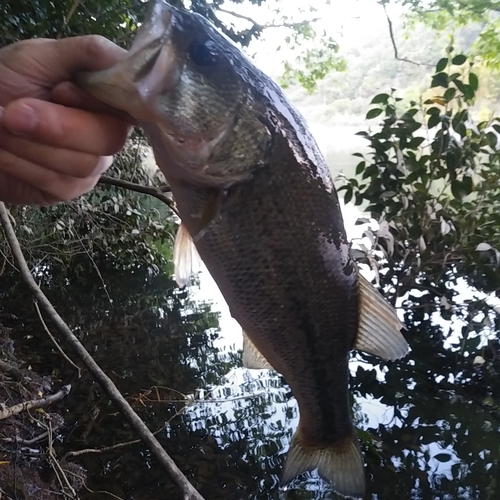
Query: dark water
{"points": [[227, 428]]}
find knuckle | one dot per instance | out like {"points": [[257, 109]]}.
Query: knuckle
{"points": [[96, 45]]}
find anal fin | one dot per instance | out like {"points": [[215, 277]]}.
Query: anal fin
{"points": [[252, 357], [379, 326]]}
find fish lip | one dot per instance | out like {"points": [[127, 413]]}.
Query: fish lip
{"points": [[159, 70]]}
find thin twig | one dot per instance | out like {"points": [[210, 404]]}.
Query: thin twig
{"points": [[138, 188], [94, 492], [58, 347], [97, 451], [262, 27], [27, 442], [35, 403], [393, 41], [68, 17], [61, 476], [190, 493]]}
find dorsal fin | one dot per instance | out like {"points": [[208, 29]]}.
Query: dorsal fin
{"points": [[252, 357], [379, 326], [186, 257]]}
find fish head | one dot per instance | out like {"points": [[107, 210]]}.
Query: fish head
{"points": [[188, 87]]}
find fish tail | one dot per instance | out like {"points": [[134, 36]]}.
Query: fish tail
{"points": [[340, 463]]}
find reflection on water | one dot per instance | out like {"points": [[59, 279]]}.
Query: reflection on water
{"points": [[229, 428]]}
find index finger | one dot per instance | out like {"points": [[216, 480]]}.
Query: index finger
{"points": [[69, 94], [63, 127]]}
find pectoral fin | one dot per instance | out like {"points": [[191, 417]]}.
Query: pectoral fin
{"points": [[186, 257], [379, 326], [252, 357]]}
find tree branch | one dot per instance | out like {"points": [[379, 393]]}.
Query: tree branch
{"points": [[262, 27], [104, 381], [35, 403], [157, 192], [393, 41]]}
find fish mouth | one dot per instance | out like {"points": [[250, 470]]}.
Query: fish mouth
{"points": [[150, 68]]}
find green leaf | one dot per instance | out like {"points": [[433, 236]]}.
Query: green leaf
{"points": [[433, 120], [492, 139], [473, 81], [466, 90], [467, 185], [360, 167], [459, 60], [457, 189], [348, 195], [439, 80], [441, 65], [433, 111], [415, 142], [449, 94], [380, 99], [373, 113]]}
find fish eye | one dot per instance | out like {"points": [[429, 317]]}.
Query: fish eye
{"points": [[203, 53]]}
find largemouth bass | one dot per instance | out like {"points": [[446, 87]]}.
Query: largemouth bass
{"points": [[257, 200]]}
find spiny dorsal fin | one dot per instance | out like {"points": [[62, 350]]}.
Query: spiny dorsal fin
{"points": [[186, 257], [339, 463], [379, 326], [252, 357]]}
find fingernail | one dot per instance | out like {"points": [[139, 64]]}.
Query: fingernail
{"points": [[21, 119]]}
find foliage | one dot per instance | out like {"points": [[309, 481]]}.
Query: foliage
{"points": [[431, 185], [449, 14]]}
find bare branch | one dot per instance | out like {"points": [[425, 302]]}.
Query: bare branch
{"points": [[393, 41], [35, 403], [58, 347], [262, 27], [157, 192], [104, 381]]}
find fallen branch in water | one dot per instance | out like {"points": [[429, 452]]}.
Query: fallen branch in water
{"points": [[190, 493], [34, 403]]}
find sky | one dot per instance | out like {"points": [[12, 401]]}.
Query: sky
{"points": [[348, 22]]}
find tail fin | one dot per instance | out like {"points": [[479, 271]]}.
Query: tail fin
{"points": [[340, 464]]}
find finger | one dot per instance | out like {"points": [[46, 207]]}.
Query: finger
{"points": [[54, 185], [70, 95], [88, 53], [58, 60], [17, 192], [63, 127], [64, 161]]}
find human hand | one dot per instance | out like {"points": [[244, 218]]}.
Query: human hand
{"points": [[55, 140]]}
